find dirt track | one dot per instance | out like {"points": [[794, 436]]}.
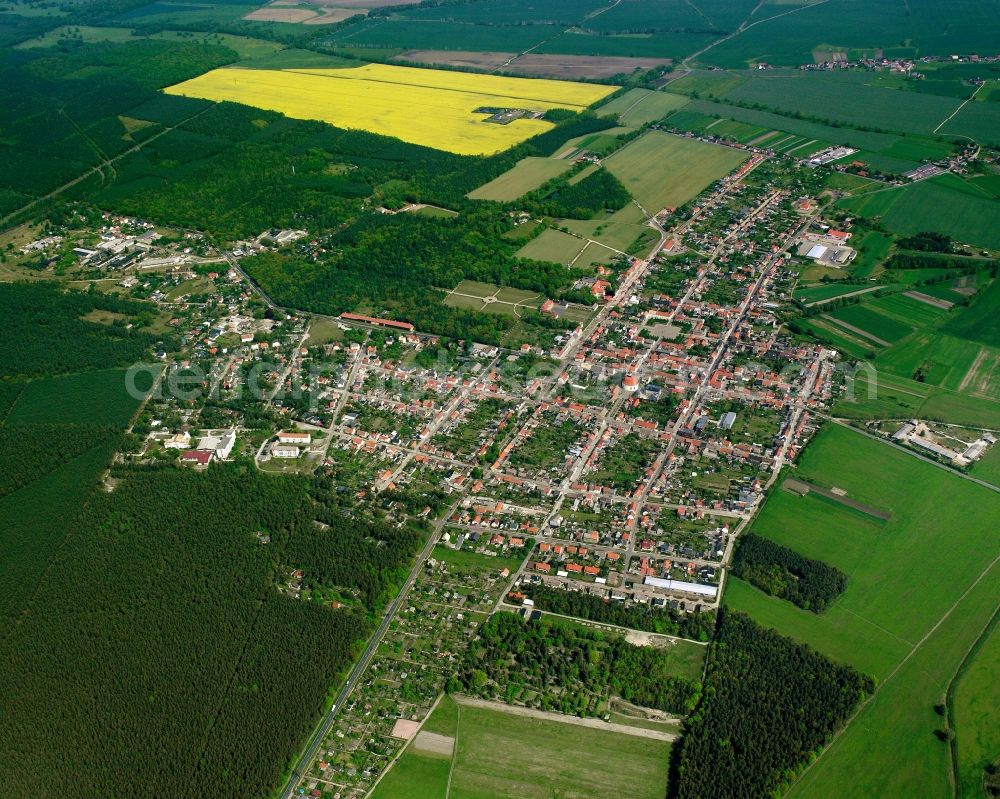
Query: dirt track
{"points": [[594, 724], [802, 488]]}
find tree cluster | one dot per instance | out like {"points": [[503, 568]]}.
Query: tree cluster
{"points": [[45, 335], [783, 572], [769, 705], [598, 192]]}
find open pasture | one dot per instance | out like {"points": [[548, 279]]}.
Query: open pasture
{"points": [[552, 245], [429, 107], [921, 588], [477, 296], [661, 170], [638, 106], [845, 98], [975, 710], [500, 754]]}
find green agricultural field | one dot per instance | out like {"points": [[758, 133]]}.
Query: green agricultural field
{"points": [[707, 83], [981, 321], [499, 754], [526, 175], [638, 106], [975, 713], [979, 120], [401, 34], [942, 360], [988, 467], [889, 152], [552, 245], [908, 615], [898, 397], [184, 13], [844, 25], [864, 318], [601, 142], [906, 310], [840, 339], [846, 99], [823, 291], [662, 44], [661, 170], [944, 204]]}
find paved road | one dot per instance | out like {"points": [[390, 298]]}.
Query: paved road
{"points": [[316, 740]]}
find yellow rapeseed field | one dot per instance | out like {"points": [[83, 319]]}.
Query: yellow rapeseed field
{"points": [[423, 106]]}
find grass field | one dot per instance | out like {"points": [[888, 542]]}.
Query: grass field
{"points": [[981, 321], [638, 106], [499, 755], [946, 204], [847, 99], [921, 588], [901, 398], [863, 317], [988, 467], [552, 245], [975, 709], [526, 175], [661, 170], [434, 108]]}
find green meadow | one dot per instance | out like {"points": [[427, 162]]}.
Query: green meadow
{"points": [[921, 588]]}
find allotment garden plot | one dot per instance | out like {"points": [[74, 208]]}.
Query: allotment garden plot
{"points": [[445, 110]]}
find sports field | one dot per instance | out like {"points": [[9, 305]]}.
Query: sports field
{"points": [[429, 107], [526, 175], [661, 170], [922, 586], [498, 755]]}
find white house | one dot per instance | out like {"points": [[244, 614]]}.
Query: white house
{"points": [[294, 437]]}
